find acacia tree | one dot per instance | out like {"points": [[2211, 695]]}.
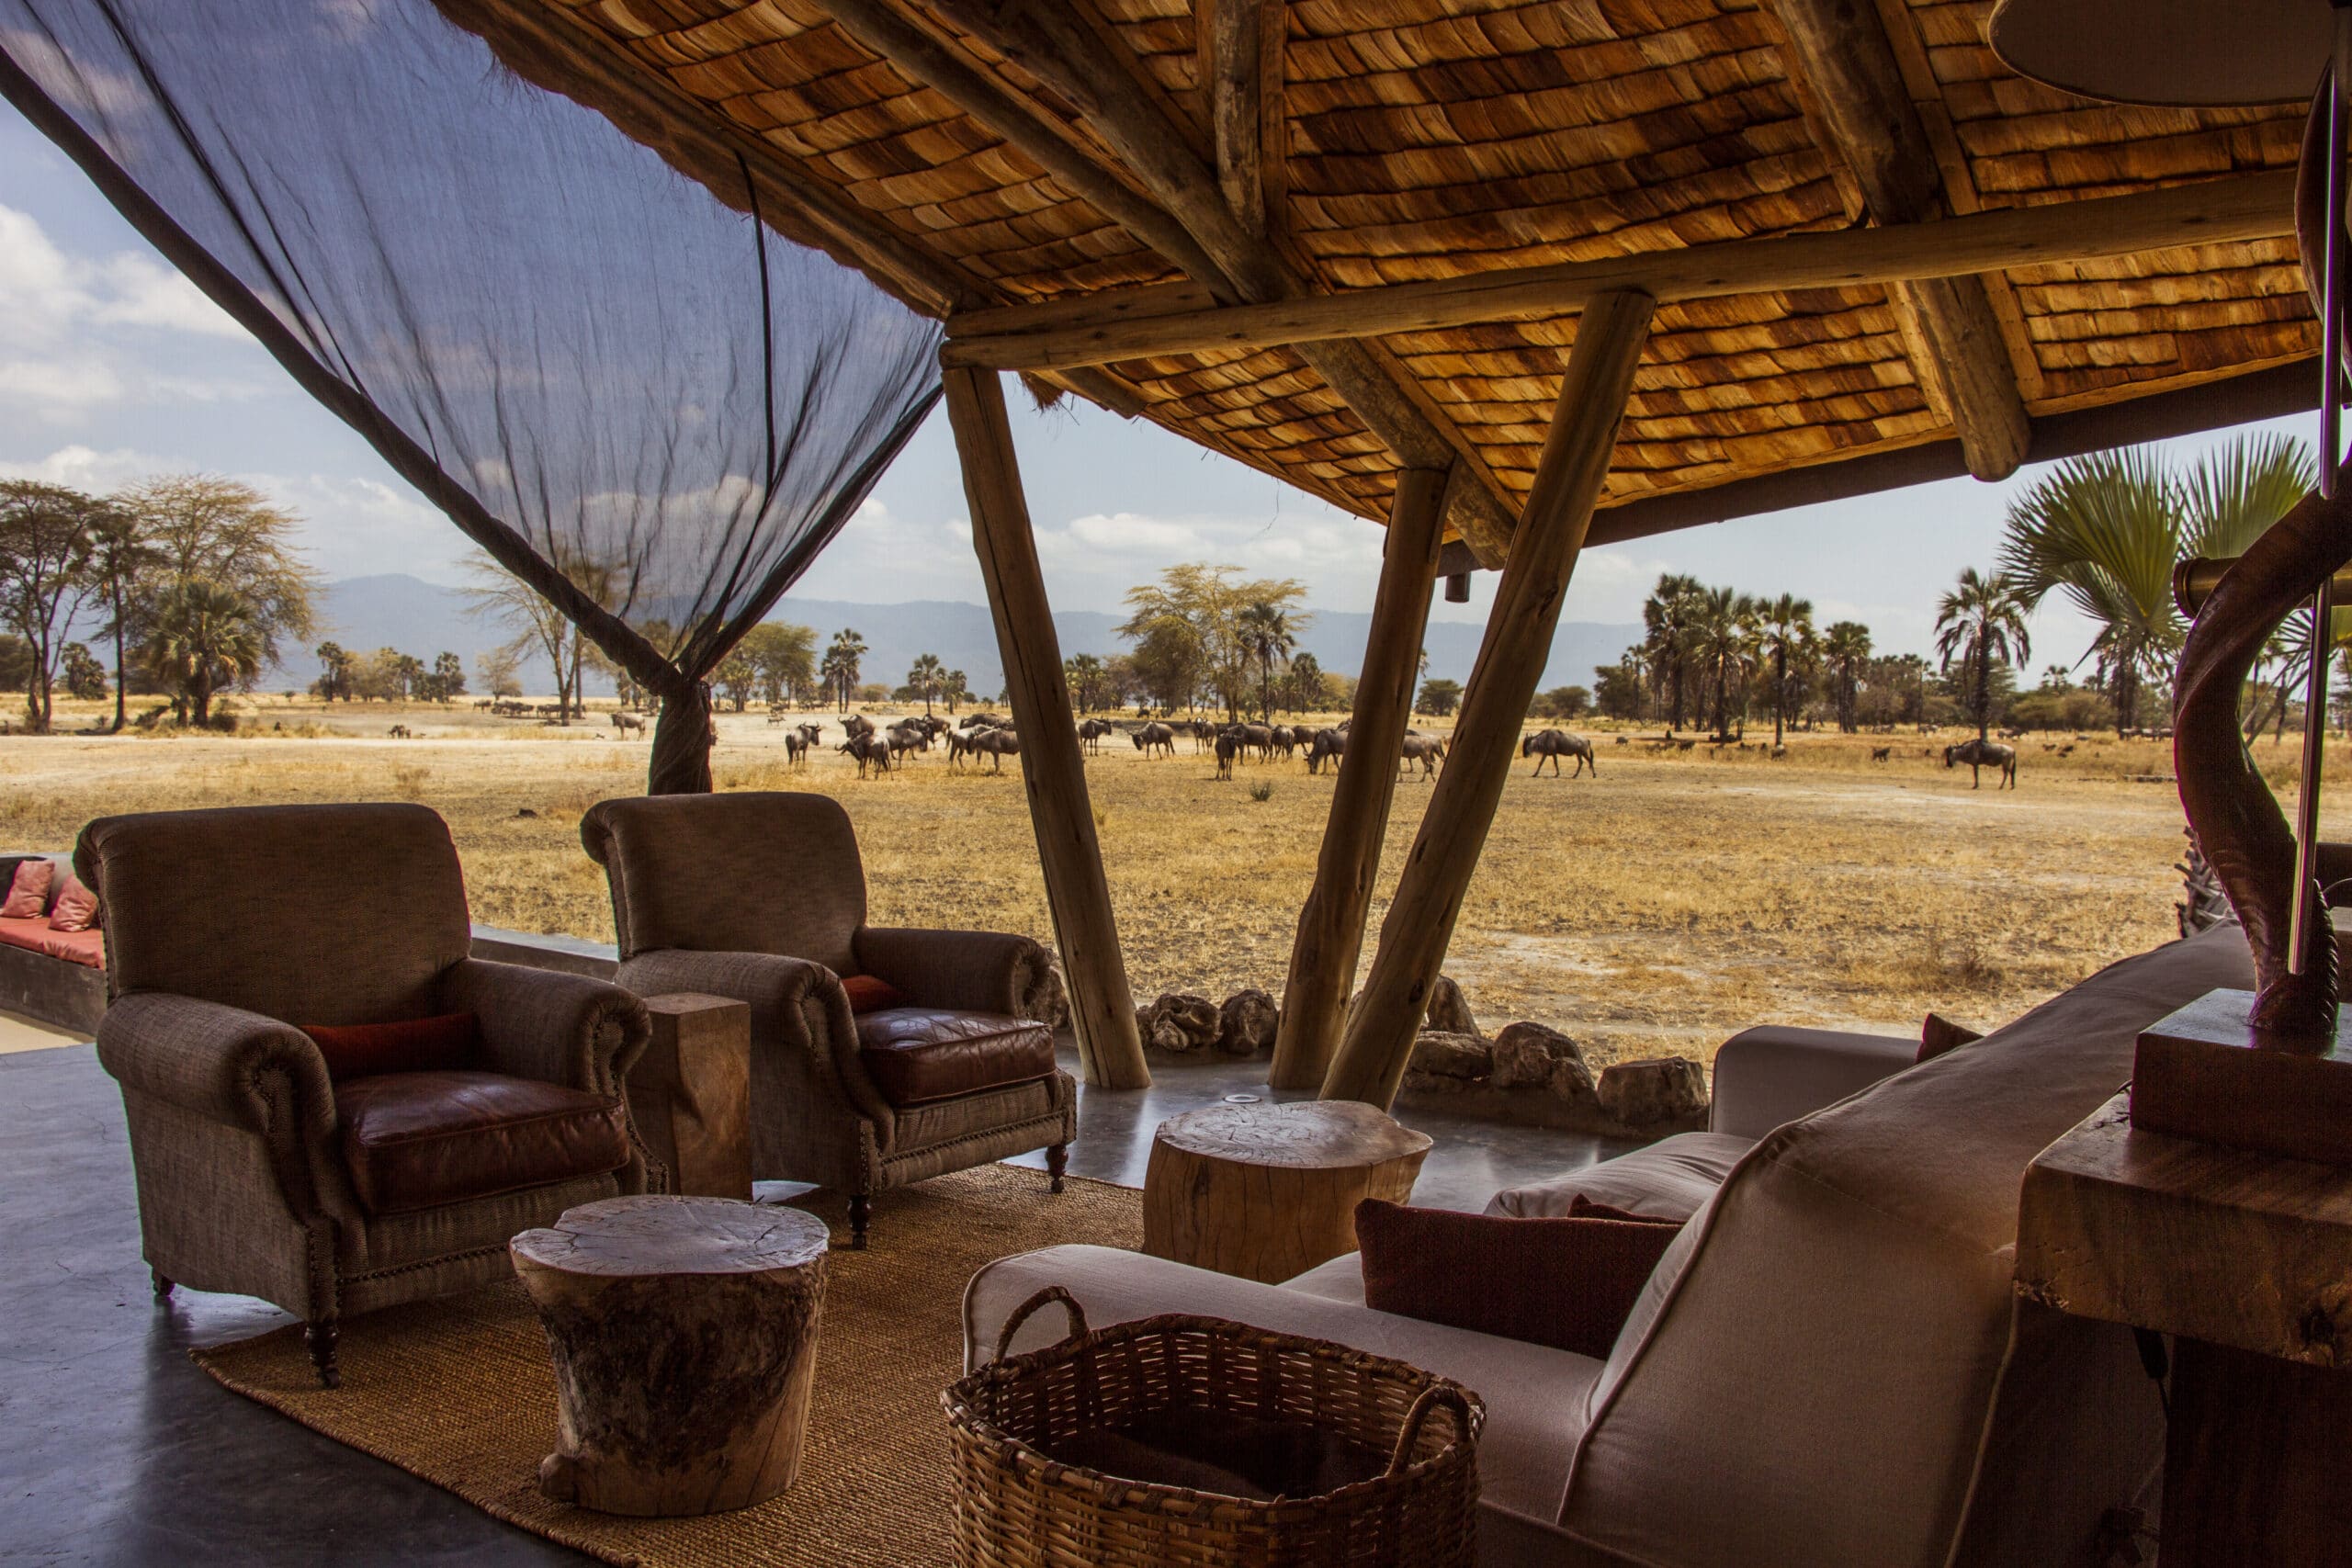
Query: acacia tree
{"points": [[1189, 634], [1979, 621], [783, 660], [539, 626], [201, 526], [44, 539]]}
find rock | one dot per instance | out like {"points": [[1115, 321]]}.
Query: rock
{"points": [[1450, 1056], [1047, 998], [1448, 1013], [1248, 1023], [1430, 1083], [1180, 1021], [1664, 1089], [1524, 1054], [1571, 1082]]}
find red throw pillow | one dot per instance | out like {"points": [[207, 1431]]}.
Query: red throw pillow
{"points": [[76, 908], [1567, 1283], [451, 1043], [1938, 1035], [28, 890], [871, 993]]}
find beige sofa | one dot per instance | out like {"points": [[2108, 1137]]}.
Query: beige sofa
{"points": [[1829, 1368]]}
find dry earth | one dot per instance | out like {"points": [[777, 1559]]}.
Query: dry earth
{"points": [[1672, 900]]}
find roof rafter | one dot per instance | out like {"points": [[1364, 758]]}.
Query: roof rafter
{"points": [[1078, 64], [1842, 51]]}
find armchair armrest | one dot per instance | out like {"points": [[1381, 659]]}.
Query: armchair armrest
{"points": [[540, 1024], [239, 1068], [1771, 1076], [962, 970]]}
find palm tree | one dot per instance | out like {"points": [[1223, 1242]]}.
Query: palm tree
{"points": [[924, 675], [2108, 529], [1722, 645], [204, 637], [955, 687], [1784, 627], [1847, 646], [1266, 631], [839, 668], [1981, 620], [1666, 642]]}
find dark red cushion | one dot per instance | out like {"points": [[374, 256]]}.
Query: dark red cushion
{"points": [[1938, 1034], [452, 1040], [1567, 1283], [871, 993], [420, 1140], [27, 897], [915, 1054]]}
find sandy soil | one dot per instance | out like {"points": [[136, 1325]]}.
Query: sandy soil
{"points": [[1666, 903]]}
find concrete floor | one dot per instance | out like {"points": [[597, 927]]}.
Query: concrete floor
{"points": [[115, 1448]]}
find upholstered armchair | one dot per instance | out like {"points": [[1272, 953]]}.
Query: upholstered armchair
{"points": [[331, 1193], [762, 897]]}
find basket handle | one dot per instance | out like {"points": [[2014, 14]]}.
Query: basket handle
{"points": [[1429, 1398], [1023, 1313]]}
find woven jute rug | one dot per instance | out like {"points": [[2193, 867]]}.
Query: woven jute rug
{"points": [[460, 1392]]}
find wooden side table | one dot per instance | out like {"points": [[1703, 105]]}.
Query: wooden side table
{"points": [[2245, 1259], [690, 1094], [685, 1336], [1268, 1191]]}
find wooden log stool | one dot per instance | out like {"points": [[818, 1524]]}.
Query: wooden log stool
{"points": [[684, 1337], [1268, 1191], [690, 1094]]}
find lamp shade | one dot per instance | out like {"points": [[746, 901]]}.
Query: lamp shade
{"points": [[2181, 54]]}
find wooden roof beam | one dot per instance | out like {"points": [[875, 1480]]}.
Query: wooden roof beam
{"points": [[1841, 50], [1054, 44], [1135, 323]]}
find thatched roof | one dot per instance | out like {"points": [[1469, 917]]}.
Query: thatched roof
{"points": [[1404, 141]]}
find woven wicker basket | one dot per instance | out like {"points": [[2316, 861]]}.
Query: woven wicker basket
{"points": [[1018, 1507]]}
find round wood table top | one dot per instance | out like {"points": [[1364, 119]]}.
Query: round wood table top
{"points": [[1308, 1134], [658, 1234]]}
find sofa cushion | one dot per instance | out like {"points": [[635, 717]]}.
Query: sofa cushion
{"points": [[1567, 1283], [1668, 1180], [871, 993], [76, 908], [445, 1042], [34, 935], [419, 1140], [29, 889], [915, 1054], [1938, 1034]]}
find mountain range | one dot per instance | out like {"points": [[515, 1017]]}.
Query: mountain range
{"points": [[423, 618]]}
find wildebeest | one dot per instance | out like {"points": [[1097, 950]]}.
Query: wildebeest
{"points": [[1551, 745], [1980, 754], [1228, 746], [1258, 738], [796, 744], [904, 738], [1881, 753], [1204, 733], [975, 720], [1091, 732], [1328, 746], [1154, 738], [996, 745], [627, 721], [868, 749], [1285, 739], [1426, 749], [399, 732], [857, 727]]}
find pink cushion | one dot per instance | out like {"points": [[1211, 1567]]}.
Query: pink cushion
{"points": [[28, 890], [76, 908]]}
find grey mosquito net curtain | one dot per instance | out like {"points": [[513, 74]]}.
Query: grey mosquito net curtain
{"points": [[623, 385]]}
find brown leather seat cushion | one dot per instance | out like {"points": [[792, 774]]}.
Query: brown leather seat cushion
{"points": [[419, 1140], [915, 1054]]}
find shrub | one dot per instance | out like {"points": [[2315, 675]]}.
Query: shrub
{"points": [[1262, 791]]}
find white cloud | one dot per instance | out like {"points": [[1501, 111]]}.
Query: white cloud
{"points": [[1133, 533], [56, 388], [140, 293], [84, 468]]}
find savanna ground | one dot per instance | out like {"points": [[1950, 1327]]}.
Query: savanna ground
{"points": [[1657, 909]]}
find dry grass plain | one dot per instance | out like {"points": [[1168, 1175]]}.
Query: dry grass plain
{"points": [[1660, 907]]}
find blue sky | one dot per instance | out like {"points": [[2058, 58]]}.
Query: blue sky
{"points": [[112, 367]]}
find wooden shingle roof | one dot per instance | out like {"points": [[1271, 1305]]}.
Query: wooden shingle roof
{"points": [[1394, 141]]}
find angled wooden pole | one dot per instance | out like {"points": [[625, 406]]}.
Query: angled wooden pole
{"points": [[1103, 1011], [1331, 927], [1379, 1040]]}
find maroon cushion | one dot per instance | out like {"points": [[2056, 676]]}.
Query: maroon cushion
{"points": [[450, 1041], [915, 1054], [28, 890], [420, 1140], [871, 993], [1938, 1034], [1567, 1283]]}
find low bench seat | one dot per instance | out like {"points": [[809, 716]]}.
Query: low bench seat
{"points": [[33, 935]]}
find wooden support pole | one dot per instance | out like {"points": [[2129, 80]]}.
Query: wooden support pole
{"points": [[1378, 1041], [1331, 927], [1053, 772]]}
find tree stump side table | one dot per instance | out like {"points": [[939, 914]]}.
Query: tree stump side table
{"points": [[684, 1332], [1268, 1191], [690, 1094]]}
